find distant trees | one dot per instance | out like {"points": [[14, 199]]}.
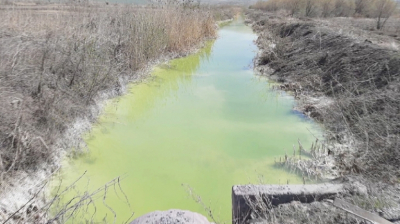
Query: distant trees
{"points": [[293, 6], [361, 6], [326, 8], [379, 9], [342, 8]]}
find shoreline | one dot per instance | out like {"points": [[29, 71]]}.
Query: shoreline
{"points": [[287, 55], [31, 186]]}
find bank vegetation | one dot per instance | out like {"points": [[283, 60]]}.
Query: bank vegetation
{"points": [[381, 10], [57, 60], [347, 77]]}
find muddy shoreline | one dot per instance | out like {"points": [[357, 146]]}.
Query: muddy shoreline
{"points": [[323, 69]]}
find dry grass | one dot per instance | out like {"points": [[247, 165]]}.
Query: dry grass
{"points": [[380, 10], [57, 60], [372, 198], [54, 63], [225, 12], [349, 84], [365, 28], [295, 212], [362, 79]]}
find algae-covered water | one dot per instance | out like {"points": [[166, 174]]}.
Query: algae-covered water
{"points": [[204, 121]]}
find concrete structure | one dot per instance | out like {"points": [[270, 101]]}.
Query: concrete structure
{"points": [[273, 195]]}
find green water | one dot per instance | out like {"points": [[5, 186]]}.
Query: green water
{"points": [[206, 121]]}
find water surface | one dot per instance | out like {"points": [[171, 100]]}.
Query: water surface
{"points": [[205, 121]]}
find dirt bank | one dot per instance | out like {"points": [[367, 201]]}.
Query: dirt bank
{"points": [[349, 81]]}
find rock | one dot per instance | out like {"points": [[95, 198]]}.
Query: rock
{"points": [[171, 217]]}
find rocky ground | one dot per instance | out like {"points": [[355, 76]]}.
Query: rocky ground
{"points": [[348, 79]]}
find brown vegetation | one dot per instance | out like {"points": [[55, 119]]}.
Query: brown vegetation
{"points": [[54, 63], [382, 10], [351, 86], [361, 78], [225, 12]]}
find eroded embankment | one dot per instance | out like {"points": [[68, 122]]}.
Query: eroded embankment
{"points": [[352, 87]]}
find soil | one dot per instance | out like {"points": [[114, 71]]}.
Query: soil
{"points": [[347, 79]]}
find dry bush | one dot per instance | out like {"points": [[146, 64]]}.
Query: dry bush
{"points": [[55, 62], [67, 204], [343, 8], [292, 6], [225, 12], [310, 8], [362, 7], [382, 10], [270, 5], [364, 82], [326, 8], [262, 211], [353, 88]]}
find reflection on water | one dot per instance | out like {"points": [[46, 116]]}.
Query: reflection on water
{"points": [[205, 120]]}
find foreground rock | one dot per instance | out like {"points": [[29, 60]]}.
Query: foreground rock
{"points": [[170, 217]]}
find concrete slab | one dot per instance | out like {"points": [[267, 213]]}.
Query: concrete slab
{"points": [[274, 195]]}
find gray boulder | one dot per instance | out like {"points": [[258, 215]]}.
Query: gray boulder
{"points": [[172, 216]]}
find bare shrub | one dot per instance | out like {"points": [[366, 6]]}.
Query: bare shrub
{"points": [[362, 7], [293, 6], [326, 8], [382, 11], [55, 62], [225, 12], [270, 5], [262, 211], [343, 8], [362, 80], [310, 8], [61, 207]]}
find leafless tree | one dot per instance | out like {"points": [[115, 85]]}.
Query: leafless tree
{"points": [[361, 6], [326, 8], [342, 8], [383, 9]]}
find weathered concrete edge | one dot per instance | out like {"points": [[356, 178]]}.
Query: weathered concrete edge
{"points": [[274, 195]]}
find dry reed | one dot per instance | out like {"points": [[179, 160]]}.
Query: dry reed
{"points": [[382, 10], [56, 59]]}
